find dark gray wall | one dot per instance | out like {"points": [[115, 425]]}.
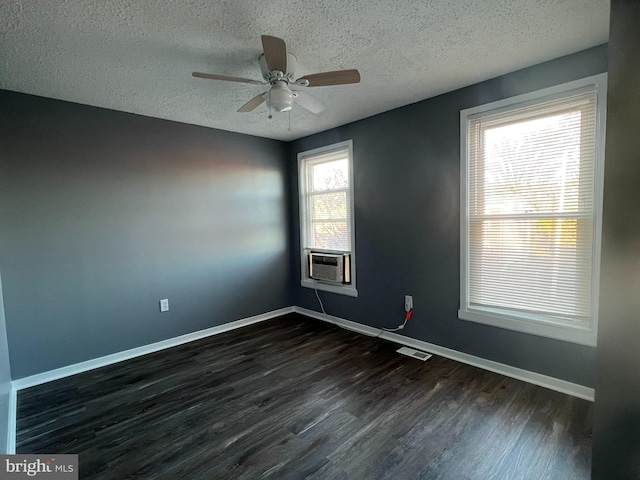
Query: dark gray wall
{"points": [[616, 451], [407, 214], [5, 380], [103, 213]]}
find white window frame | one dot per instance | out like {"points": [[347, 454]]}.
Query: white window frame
{"points": [[306, 281], [511, 320]]}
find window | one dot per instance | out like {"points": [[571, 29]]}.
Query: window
{"points": [[531, 201], [326, 209]]}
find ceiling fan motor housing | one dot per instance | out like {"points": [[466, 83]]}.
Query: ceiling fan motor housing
{"points": [[272, 76]]}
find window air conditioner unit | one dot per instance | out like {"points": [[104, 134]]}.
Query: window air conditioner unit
{"points": [[330, 267]]}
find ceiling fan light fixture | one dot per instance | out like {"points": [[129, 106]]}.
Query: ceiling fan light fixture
{"points": [[280, 98]]}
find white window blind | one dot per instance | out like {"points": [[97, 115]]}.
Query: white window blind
{"points": [[326, 213], [531, 215]]}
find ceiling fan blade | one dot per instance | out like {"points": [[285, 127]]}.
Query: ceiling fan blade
{"points": [[340, 77], [307, 101], [275, 53], [253, 103], [213, 76]]}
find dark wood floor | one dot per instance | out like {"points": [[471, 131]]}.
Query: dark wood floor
{"points": [[295, 398]]}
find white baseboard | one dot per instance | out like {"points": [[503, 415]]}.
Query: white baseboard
{"points": [[507, 370], [551, 383], [74, 369], [11, 424]]}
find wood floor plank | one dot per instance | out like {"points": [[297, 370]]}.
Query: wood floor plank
{"points": [[294, 398]]}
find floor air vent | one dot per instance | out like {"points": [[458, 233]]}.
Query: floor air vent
{"points": [[414, 353]]}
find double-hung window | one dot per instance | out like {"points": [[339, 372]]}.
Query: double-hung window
{"points": [[531, 204], [326, 212]]}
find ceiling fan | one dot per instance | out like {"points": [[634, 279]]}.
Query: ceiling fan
{"points": [[278, 69]]}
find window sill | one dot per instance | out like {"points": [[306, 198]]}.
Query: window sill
{"points": [[349, 290], [580, 335]]}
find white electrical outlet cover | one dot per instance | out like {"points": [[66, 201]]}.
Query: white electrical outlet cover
{"points": [[408, 302], [164, 305]]}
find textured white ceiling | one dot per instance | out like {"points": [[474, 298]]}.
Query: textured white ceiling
{"points": [[137, 56]]}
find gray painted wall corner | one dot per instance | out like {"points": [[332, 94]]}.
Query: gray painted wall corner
{"points": [[616, 427]]}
